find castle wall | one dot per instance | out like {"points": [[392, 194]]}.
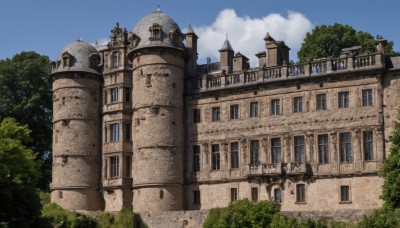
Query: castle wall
{"points": [[319, 192], [158, 130]]}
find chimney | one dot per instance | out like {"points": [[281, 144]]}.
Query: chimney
{"points": [[226, 56], [191, 48], [277, 53]]}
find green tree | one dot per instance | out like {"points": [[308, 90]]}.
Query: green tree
{"points": [[19, 173], [391, 170], [329, 40], [26, 95]]}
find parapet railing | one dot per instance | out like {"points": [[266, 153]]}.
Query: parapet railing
{"points": [[259, 75]]}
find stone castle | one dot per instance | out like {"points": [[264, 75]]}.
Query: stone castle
{"points": [[140, 124]]}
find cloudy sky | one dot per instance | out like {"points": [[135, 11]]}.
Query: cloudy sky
{"points": [[46, 26]]}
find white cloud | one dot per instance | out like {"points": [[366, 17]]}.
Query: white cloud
{"points": [[246, 34]]}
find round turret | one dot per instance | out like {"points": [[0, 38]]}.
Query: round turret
{"points": [[76, 82], [158, 63]]}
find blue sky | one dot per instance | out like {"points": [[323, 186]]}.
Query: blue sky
{"points": [[46, 26]]}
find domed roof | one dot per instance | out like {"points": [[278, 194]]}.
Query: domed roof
{"points": [[170, 36], [77, 56]]}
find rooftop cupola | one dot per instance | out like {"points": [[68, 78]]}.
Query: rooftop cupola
{"points": [[277, 53]]}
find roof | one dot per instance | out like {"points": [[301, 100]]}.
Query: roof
{"points": [[226, 46], [167, 24], [80, 53]]}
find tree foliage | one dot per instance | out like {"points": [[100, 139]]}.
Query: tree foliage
{"points": [[25, 95], [329, 40], [19, 173], [391, 170]]}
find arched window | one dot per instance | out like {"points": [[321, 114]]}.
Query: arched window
{"points": [[155, 32]]}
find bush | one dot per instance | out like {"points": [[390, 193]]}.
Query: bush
{"points": [[213, 217], [382, 217]]}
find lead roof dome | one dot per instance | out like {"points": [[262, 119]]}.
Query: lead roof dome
{"points": [[168, 26], [77, 56]]}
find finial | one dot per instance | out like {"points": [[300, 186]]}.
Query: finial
{"points": [[190, 28], [158, 9], [117, 24], [96, 43], [226, 36], [79, 39]]}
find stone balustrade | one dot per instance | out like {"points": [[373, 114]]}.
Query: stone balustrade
{"points": [[219, 80]]}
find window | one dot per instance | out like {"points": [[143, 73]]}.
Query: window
{"points": [[155, 32], [115, 59], [114, 130], [196, 115], [344, 99], [196, 158], [127, 94], [233, 194], [253, 109], [114, 95], [254, 152], [276, 150], [323, 149], [300, 193], [215, 157], [196, 197], [275, 107], [321, 101], [105, 97], [234, 155], [344, 193], [298, 104], [278, 195], [114, 166], [368, 141], [345, 147], [148, 79], [216, 112], [299, 155], [128, 132], [128, 166], [254, 194], [234, 112], [367, 97]]}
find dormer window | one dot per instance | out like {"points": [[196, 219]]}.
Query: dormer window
{"points": [[115, 59], [155, 32], [175, 36], [133, 40], [67, 59], [94, 61]]}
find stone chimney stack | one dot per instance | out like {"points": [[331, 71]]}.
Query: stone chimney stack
{"points": [[277, 53], [226, 56], [191, 48]]}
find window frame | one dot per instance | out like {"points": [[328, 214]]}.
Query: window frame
{"points": [[215, 157], [114, 93], [234, 112], [254, 194], [345, 147], [280, 195], [323, 148], [234, 155], [114, 132], [345, 194], [343, 99], [254, 110], [367, 97], [300, 193], [115, 59], [196, 115], [276, 148], [297, 104], [234, 194], [321, 102], [275, 106], [196, 197], [255, 152], [216, 114], [196, 158], [368, 145], [299, 148], [114, 167]]}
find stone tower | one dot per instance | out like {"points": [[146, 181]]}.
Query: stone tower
{"points": [[158, 62], [76, 81]]}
